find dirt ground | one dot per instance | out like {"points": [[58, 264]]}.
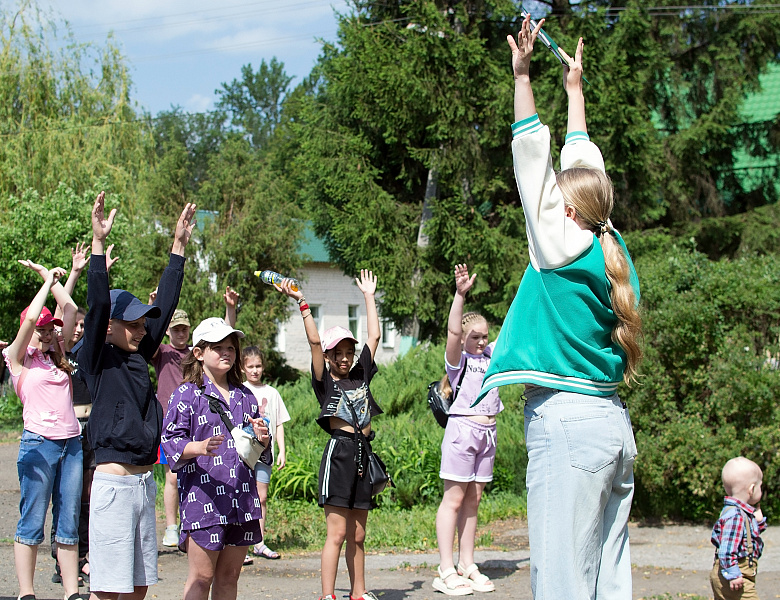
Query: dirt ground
{"points": [[668, 559]]}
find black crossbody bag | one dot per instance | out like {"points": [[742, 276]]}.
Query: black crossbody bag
{"points": [[439, 403], [377, 471]]}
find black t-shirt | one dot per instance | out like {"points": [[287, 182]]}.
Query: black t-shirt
{"points": [[354, 387]]}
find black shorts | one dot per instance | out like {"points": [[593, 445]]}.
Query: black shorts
{"points": [[339, 481]]}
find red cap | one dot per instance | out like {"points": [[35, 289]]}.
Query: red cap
{"points": [[45, 318]]}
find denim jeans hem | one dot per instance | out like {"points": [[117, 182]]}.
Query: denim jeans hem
{"points": [[27, 542], [66, 541]]}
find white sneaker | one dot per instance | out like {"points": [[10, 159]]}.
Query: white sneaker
{"points": [[171, 537]]}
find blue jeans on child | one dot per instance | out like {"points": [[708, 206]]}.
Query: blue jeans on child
{"points": [[49, 469], [580, 483]]}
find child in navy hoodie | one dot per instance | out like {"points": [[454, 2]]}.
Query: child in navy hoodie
{"points": [[121, 336]]}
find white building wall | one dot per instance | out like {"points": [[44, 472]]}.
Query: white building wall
{"points": [[326, 287]]}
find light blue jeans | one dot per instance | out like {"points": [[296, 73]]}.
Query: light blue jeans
{"points": [[580, 482], [49, 469]]}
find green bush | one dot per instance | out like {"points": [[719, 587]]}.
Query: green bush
{"points": [[708, 391]]}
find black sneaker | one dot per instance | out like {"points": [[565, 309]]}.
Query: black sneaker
{"points": [[57, 577]]}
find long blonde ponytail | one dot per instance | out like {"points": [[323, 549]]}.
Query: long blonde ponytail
{"points": [[589, 192]]}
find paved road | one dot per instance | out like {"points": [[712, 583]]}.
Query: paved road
{"points": [[668, 559]]}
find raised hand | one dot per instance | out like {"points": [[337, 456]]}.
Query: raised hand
{"points": [[463, 282], [286, 288], [152, 296], [184, 227], [101, 225], [523, 48], [80, 256], [367, 282], [40, 269], [110, 262], [572, 73], [231, 297], [208, 447]]}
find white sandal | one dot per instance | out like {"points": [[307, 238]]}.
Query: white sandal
{"points": [[479, 581], [457, 586]]}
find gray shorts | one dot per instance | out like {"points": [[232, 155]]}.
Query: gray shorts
{"points": [[122, 532]]}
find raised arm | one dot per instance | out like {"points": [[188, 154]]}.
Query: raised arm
{"points": [[66, 307], [80, 259], [572, 83], [522, 49], [98, 298], [463, 284], [169, 288], [18, 347], [367, 285], [312, 335], [231, 305]]}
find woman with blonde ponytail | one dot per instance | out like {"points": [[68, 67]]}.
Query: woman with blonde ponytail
{"points": [[571, 336]]}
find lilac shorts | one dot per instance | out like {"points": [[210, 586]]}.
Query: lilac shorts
{"points": [[468, 450], [217, 537]]}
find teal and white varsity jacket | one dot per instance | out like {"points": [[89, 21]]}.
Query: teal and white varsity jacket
{"points": [[558, 332]]}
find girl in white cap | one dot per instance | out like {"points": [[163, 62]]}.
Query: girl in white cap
{"points": [[344, 396], [220, 509]]}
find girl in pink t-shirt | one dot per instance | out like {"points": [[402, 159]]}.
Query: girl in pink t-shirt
{"points": [[50, 449]]}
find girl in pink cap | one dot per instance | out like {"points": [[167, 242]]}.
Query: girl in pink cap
{"points": [[50, 450], [345, 398]]}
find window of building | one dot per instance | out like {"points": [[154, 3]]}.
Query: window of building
{"points": [[352, 312], [388, 334], [316, 315]]}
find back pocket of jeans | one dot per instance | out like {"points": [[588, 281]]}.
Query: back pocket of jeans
{"points": [[592, 440]]}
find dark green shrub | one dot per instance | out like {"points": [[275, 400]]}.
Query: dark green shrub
{"points": [[708, 392]]}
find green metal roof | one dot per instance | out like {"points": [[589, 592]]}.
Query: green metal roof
{"points": [[764, 105], [313, 248]]}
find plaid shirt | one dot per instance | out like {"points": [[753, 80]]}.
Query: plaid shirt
{"points": [[730, 539]]}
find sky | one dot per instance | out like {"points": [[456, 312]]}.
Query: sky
{"points": [[180, 51]]}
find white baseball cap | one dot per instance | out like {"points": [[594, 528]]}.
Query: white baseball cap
{"points": [[213, 330]]}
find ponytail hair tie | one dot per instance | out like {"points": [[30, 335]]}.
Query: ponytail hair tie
{"points": [[604, 227]]}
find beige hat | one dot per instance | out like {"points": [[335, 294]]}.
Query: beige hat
{"points": [[179, 318], [213, 330]]}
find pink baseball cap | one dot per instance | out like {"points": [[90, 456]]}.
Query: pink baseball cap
{"points": [[332, 337], [45, 318]]}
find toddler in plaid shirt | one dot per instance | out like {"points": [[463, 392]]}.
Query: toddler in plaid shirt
{"points": [[736, 534]]}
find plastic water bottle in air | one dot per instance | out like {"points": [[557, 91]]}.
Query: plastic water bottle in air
{"points": [[272, 277]]}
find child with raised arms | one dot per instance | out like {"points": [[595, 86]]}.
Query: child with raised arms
{"points": [[571, 336], [344, 486], [121, 334], [219, 506], [272, 407], [49, 463], [468, 449]]}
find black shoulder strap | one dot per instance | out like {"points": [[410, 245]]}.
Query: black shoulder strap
{"points": [[216, 406], [460, 380]]}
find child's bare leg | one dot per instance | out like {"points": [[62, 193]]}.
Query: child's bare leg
{"points": [[228, 568], [170, 497], [202, 565], [262, 493], [68, 559], [447, 520], [356, 555], [467, 523], [336, 521], [24, 561]]}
